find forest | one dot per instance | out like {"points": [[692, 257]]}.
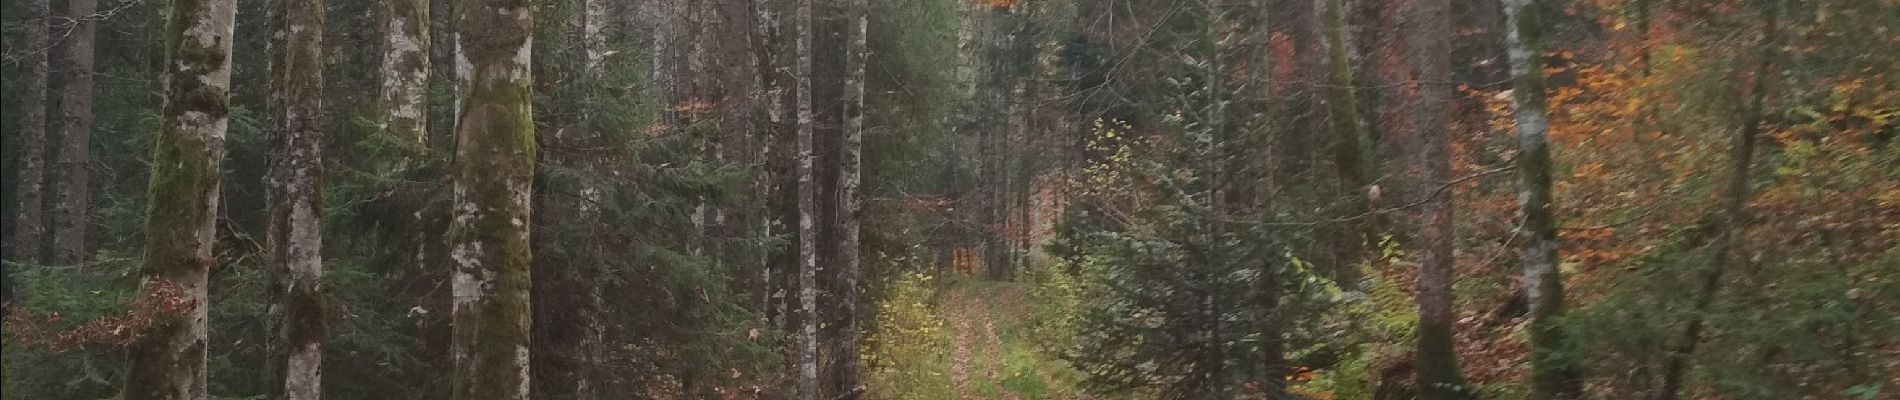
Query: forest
{"points": [[950, 199]]}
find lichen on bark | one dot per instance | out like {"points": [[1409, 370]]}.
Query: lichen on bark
{"points": [[493, 173], [294, 237], [168, 362]]}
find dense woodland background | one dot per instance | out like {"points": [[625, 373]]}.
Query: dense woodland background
{"points": [[949, 199]]}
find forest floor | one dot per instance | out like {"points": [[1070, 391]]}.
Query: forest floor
{"points": [[993, 356]]}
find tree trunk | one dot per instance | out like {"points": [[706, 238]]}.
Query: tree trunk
{"points": [[73, 208], [1553, 376], [405, 71], [294, 234], [1414, 75], [844, 350], [999, 80], [168, 362], [807, 353], [25, 242], [1731, 220], [493, 175], [777, 182], [1351, 152]]}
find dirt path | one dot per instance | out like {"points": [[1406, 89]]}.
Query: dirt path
{"points": [[984, 360], [955, 309]]}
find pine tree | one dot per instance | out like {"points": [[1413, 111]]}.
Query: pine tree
{"points": [[24, 243], [72, 209]]}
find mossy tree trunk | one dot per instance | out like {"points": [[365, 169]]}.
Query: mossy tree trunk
{"points": [[295, 233], [1351, 152], [168, 361], [1553, 375], [493, 175], [405, 71], [72, 210]]}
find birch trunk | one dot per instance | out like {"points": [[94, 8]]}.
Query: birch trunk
{"points": [[1553, 376], [773, 181], [493, 175], [807, 352], [72, 210], [294, 234], [168, 362], [844, 350], [24, 243]]}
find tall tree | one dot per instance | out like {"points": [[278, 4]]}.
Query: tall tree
{"points": [[72, 209], [1553, 375], [568, 263], [405, 70], [168, 362], [493, 175], [807, 351], [1413, 59], [1352, 157], [778, 181], [844, 349], [587, 378], [1003, 62], [295, 232], [25, 242], [1730, 219]]}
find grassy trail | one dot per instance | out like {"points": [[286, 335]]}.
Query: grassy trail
{"points": [[992, 356]]}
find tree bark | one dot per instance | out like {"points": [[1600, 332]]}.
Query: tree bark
{"points": [[807, 352], [294, 234], [72, 210], [168, 362], [844, 353], [1553, 375], [1351, 150], [493, 175], [25, 242], [405, 71], [1731, 217], [777, 182], [1413, 66]]}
